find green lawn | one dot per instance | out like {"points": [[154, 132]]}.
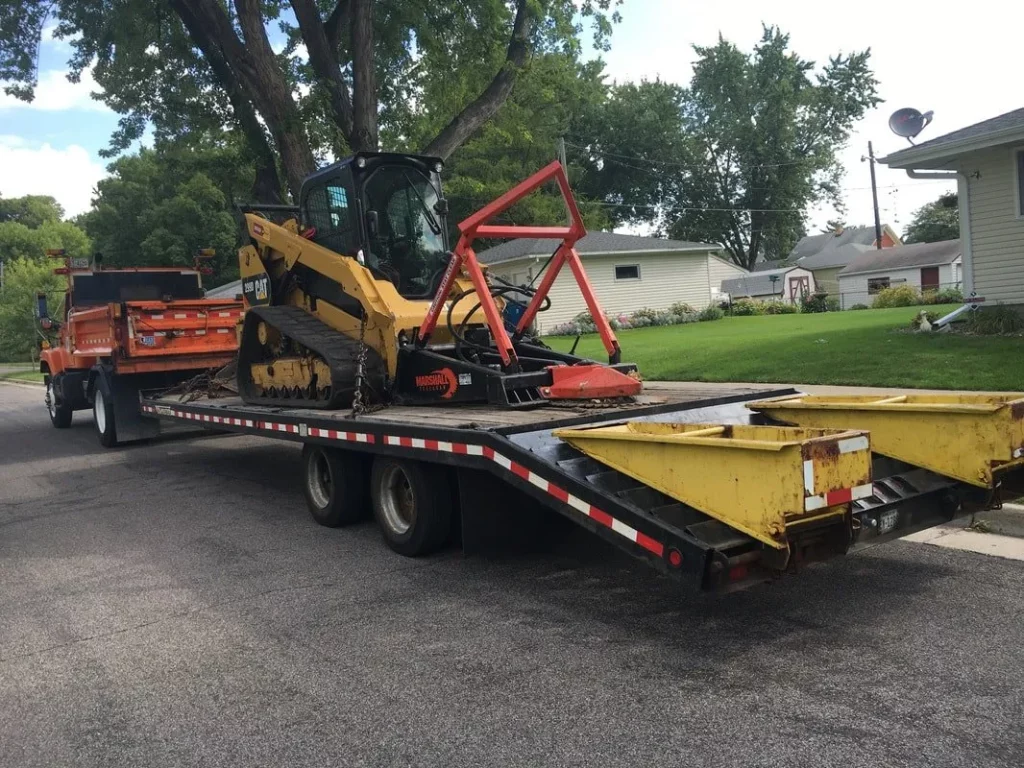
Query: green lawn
{"points": [[22, 376], [855, 348]]}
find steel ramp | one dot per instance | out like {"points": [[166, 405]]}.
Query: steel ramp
{"points": [[974, 438], [758, 480]]}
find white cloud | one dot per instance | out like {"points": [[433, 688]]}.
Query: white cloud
{"points": [[68, 174], [55, 93]]}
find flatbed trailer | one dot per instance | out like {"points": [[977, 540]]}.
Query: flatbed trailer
{"points": [[502, 470]]}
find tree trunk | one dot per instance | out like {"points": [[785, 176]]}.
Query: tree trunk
{"points": [[364, 81], [482, 109]]}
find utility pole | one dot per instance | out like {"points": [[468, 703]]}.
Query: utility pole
{"points": [[874, 197]]}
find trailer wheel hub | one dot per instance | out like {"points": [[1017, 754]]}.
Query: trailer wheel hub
{"points": [[397, 500]]}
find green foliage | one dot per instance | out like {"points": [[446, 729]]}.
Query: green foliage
{"points": [[20, 241], [746, 308], [815, 302], [945, 296], [765, 129], [681, 308], [897, 296], [23, 279], [916, 321], [710, 312], [936, 221], [31, 210], [995, 321], [776, 307], [832, 304], [159, 207]]}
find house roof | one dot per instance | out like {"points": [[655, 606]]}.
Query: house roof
{"points": [[935, 153], [770, 264], [834, 257], [595, 243], [226, 291], [813, 244], [757, 283], [905, 257]]}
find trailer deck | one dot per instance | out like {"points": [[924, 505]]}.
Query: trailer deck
{"points": [[519, 449]]}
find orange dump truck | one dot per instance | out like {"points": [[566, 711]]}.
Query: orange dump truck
{"points": [[128, 331]]}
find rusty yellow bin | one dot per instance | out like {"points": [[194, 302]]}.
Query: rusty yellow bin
{"points": [[970, 437], [756, 479]]}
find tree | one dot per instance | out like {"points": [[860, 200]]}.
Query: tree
{"points": [[30, 210], [23, 279], [938, 220], [373, 67], [160, 206], [31, 225], [764, 130]]}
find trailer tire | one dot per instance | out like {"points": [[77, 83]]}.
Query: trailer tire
{"points": [[60, 411], [412, 504], [103, 417], [334, 484]]}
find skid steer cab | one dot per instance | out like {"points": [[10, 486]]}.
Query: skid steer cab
{"points": [[356, 296]]}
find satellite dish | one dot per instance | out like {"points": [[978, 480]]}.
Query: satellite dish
{"points": [[908, 122]]}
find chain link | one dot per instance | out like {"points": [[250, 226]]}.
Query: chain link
{"points": [[358, 406]]}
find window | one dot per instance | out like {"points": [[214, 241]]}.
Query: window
{"points": [[327, 211], [876, 284], [1019, 156], [627, 271]]}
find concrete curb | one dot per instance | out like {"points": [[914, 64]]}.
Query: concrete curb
{"points": [[25, 384]]}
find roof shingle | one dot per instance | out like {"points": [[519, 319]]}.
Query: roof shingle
{"points": [[594, 243], [905, 257]]}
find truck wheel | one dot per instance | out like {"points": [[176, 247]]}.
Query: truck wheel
{"points": [[334, 487], [60, 412], [412, 505], [103, 416]]}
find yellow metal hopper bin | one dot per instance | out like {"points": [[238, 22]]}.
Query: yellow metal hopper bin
{"points": [[760, 480], [973, 438]]}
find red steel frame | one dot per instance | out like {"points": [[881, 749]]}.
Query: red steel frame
{"points": [[465, 258]]}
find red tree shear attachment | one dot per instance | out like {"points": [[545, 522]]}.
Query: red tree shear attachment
{"points": [[607, 381]]}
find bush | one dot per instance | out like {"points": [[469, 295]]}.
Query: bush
{"points": [[992, 321], [915, 322], [646, 312], [746, 308], [832, 304], [814, 302], [682, 308], [710, 312], [860, 306], [897, 296], [776, 307], [945, 296]]}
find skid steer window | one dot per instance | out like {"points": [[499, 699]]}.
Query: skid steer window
{"points": [[409, 246], [327, 210]]}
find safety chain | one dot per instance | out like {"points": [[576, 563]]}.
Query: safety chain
{"points": [[358, 407]]}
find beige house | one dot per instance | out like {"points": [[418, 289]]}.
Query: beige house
{"points": [[987, 162], [923, 266], [627, 272]]}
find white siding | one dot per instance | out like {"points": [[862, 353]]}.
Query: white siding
{"points": [[720, 269], [997, 230], [665, 278], [780, 292], [853, 289]]}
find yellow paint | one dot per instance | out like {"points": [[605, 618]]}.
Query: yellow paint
{"points": [[751, 478], [278, 248], [969, 437], [291, 372]]}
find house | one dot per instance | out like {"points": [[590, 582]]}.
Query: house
{"points": [[925, 266], [627, 272], [828, 263], [230, 290], [987, 161], [812, 245], [788, 284]]}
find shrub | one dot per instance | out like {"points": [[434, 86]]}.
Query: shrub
{"points": [[565, 329], [832, 304], [897, 296], [776, 307], [682, 308], [710, 312], [860, 306], [646, 312], [991, 321], [945, 296], [915, 322], [814, 302], [746, 308]]}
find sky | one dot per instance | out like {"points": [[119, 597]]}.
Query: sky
{"points": [[963, 64]]}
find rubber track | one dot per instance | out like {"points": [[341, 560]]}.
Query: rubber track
{"points": [[336, 349]]}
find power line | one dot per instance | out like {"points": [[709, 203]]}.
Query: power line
{"points": [[605, 153]]}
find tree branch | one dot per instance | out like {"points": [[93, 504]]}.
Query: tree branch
{"points": [[324, 60], [364, 81], [335, 24], [483, 107]]}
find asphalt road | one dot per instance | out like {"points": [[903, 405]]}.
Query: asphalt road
{"points": [[171, 604]]}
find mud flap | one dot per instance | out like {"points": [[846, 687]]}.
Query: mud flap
{"points": [[123, 392]]}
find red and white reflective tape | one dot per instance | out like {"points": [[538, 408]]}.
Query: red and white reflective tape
{"points": [[813, 501], [468, 449]]}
